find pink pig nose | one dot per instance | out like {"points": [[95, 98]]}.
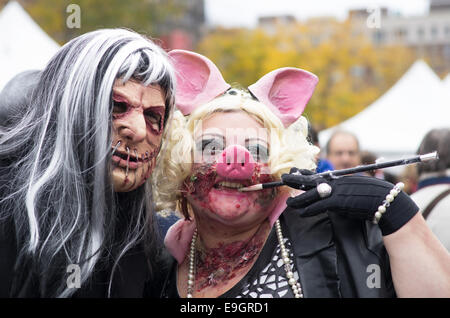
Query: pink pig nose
{"points": [[236, 162]]}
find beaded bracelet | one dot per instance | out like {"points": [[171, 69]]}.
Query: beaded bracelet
{"points": [[387, 202]]}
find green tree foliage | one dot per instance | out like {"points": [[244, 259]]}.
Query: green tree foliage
{"points": [[352, 73], [144, 16]]}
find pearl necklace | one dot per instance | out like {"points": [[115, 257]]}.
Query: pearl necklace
{"points": [[295, 285]]}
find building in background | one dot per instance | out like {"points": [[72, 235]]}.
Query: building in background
{"points": [[437, 5], [184, 31], [271, 23], [428, 35]]}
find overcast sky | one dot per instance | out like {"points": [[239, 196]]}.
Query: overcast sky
{"points": [[230, 13]]}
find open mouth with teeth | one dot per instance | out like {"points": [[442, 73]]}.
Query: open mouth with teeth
{"points": [[124, 156], [127, 160], [228, 185]]}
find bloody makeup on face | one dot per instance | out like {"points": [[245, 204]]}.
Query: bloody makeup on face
{"points": [[212, 187], [138, 122], [154, 116]]}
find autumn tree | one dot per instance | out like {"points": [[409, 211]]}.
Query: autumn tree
{"points": [[143, 16], [352, 73]]}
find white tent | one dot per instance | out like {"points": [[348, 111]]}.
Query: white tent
{"points": [[23, 44], [446, 82], [394, 125]]}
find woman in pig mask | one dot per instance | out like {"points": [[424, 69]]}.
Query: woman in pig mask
{"points": [[279, 242]]}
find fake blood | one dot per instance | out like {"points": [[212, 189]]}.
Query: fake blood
{"points": [[204, 176], [220, 264], [156, 113], [201, 181], [224, 262]]}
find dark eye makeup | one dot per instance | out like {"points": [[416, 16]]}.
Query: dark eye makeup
{"points": [[119, 107], [153, 117], [211, 146], [259, 152]]}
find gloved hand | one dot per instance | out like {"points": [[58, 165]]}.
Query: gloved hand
{"points": [[356, 197], [306, 180], [302, 179]]}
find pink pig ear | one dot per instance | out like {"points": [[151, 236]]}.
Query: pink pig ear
{"points": [[286, 91], [198, 80]]}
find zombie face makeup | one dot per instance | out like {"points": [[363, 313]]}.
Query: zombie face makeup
{"points": [[232, 152], [138, 117]]}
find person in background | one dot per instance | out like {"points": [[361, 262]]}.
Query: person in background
{"points": [[433, 189], [322, 163], [409, 177], [343, 150], [367, 158]]}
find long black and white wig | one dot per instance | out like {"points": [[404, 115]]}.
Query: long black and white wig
{"points": [[59, 193]]}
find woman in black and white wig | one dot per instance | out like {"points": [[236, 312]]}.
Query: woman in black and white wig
{"points": [[77, 149]]}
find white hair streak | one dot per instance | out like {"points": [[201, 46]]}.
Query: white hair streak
{"points": [[60, 189]]}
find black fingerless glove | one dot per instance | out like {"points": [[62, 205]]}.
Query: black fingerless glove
{"points": [[357, 197]]}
